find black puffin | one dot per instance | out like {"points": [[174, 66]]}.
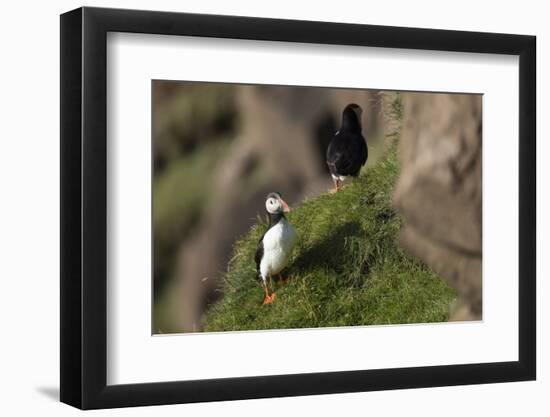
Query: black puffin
{"points": [[277, 243], [347, 152]]}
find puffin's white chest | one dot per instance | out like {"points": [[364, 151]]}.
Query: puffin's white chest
{"points": [[278, 243], [339, 177]]}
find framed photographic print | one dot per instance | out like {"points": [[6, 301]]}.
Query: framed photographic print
{"points": [[257, 208]]}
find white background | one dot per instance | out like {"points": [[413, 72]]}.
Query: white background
{"points": [[29, 224], [134, 356]]}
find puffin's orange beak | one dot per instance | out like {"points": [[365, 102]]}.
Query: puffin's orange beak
{"points": [[286, 209]]}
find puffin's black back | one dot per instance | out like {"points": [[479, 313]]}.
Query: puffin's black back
{"points": [[259, 255], [347, 152]]}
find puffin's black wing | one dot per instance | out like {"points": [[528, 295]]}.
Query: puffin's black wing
{"points": [[338, 161], [346, 154], [259, 254], [364, 151]]}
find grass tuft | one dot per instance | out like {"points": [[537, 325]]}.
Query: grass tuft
{"points": [[347, 268]]}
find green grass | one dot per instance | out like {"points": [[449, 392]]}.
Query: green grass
{"points": [[347, 268]]}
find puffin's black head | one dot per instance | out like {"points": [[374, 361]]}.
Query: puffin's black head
{"points": [[351, 117], [274, 204]]}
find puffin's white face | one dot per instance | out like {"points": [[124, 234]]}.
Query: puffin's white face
{"points": [[275, 204]]}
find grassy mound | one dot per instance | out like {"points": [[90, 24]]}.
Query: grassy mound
{"points": [[347, 268]]}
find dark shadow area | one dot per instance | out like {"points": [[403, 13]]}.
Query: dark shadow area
{"points": [[329, 253]]}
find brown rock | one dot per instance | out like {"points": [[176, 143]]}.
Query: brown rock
{"points": [[439, 188]]}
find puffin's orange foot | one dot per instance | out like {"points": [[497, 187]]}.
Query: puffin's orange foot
{"points": [[333, 190], [268, 299]]}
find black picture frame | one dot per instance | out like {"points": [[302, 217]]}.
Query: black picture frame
{"points": [[84, 207]]}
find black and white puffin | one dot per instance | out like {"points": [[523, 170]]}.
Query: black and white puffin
{"points": [[277, 243], [347, 152]]}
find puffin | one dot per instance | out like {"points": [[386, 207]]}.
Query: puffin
{"points": [[276, 244], [347, 151]]}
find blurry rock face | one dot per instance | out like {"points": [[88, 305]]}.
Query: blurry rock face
{"points": [[439, 190]]}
